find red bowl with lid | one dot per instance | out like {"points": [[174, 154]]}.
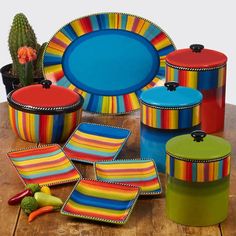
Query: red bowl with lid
{"points": [[203, 69], [44, 112]]}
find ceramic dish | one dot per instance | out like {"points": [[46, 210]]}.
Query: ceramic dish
{"points": [[94, 142], [203, 69], [166, 112], [198, 179], [45, 165], [101, 201], [109, 59], [44, 113], [141, 173]]}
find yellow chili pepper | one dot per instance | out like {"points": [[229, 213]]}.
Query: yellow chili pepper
{"points": [[46, 189]]}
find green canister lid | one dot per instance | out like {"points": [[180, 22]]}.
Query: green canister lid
{"points": [[198, 157], [198, 146]]}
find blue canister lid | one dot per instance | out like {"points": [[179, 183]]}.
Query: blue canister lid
{"points": [[171, 96]]}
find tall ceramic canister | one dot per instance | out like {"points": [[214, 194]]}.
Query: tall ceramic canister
{"points": [[166, 112], [205, 70], [198, 170]]}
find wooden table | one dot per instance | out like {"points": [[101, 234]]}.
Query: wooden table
{"points": [[148, 217]]}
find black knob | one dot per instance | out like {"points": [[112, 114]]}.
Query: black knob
{"points": [[198, 135], [171, 86], [46, 83], [196, 47]]}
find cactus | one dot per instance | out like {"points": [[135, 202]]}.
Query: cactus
{"points": [[22, 34], [39, 61]]}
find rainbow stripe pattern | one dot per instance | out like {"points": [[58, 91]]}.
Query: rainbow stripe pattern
{"points": [[101, 201], [95, 142], [43, 128], [141, 173], [53, 69], [181, 118], [45, 165], [201, 80], [193, 171]]}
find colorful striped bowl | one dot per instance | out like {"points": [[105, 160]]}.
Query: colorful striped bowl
{"points": [[101, 201], [198, 170], [45, 115]]}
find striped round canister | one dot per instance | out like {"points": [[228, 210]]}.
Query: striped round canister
{"points": [[164, 118], [171, 107], [167, 111], [198, 179], [197, 79], [44, 112], [197, 171], [43, 128], [205, 70]]}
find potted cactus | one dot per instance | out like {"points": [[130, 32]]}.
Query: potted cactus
{"points": [[22, 35]]}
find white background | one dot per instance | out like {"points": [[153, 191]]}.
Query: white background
{"points": [[208, 22]]}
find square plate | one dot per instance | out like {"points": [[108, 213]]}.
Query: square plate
{"points": [[141, 173], [101, 201], [94, 142], [45, 165]]}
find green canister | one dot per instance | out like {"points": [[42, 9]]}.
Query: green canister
{"points": [[198, 170]]}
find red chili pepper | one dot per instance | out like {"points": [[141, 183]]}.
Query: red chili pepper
{"points": [[18, 197]]}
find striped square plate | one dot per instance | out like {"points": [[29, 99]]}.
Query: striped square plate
{"points": [[45, 165], [101, 201], [94, 142], [141, 173]]}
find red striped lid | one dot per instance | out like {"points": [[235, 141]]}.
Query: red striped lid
{"points": [[45, 95], [196, 57]]}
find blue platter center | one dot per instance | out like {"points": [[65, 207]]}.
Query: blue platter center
{"points": [[110, 62]]}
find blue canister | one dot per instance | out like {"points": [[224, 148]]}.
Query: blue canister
{"points": [[166, 112]]}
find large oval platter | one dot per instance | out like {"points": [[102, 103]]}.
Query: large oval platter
{"points": [[109, 59]]}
